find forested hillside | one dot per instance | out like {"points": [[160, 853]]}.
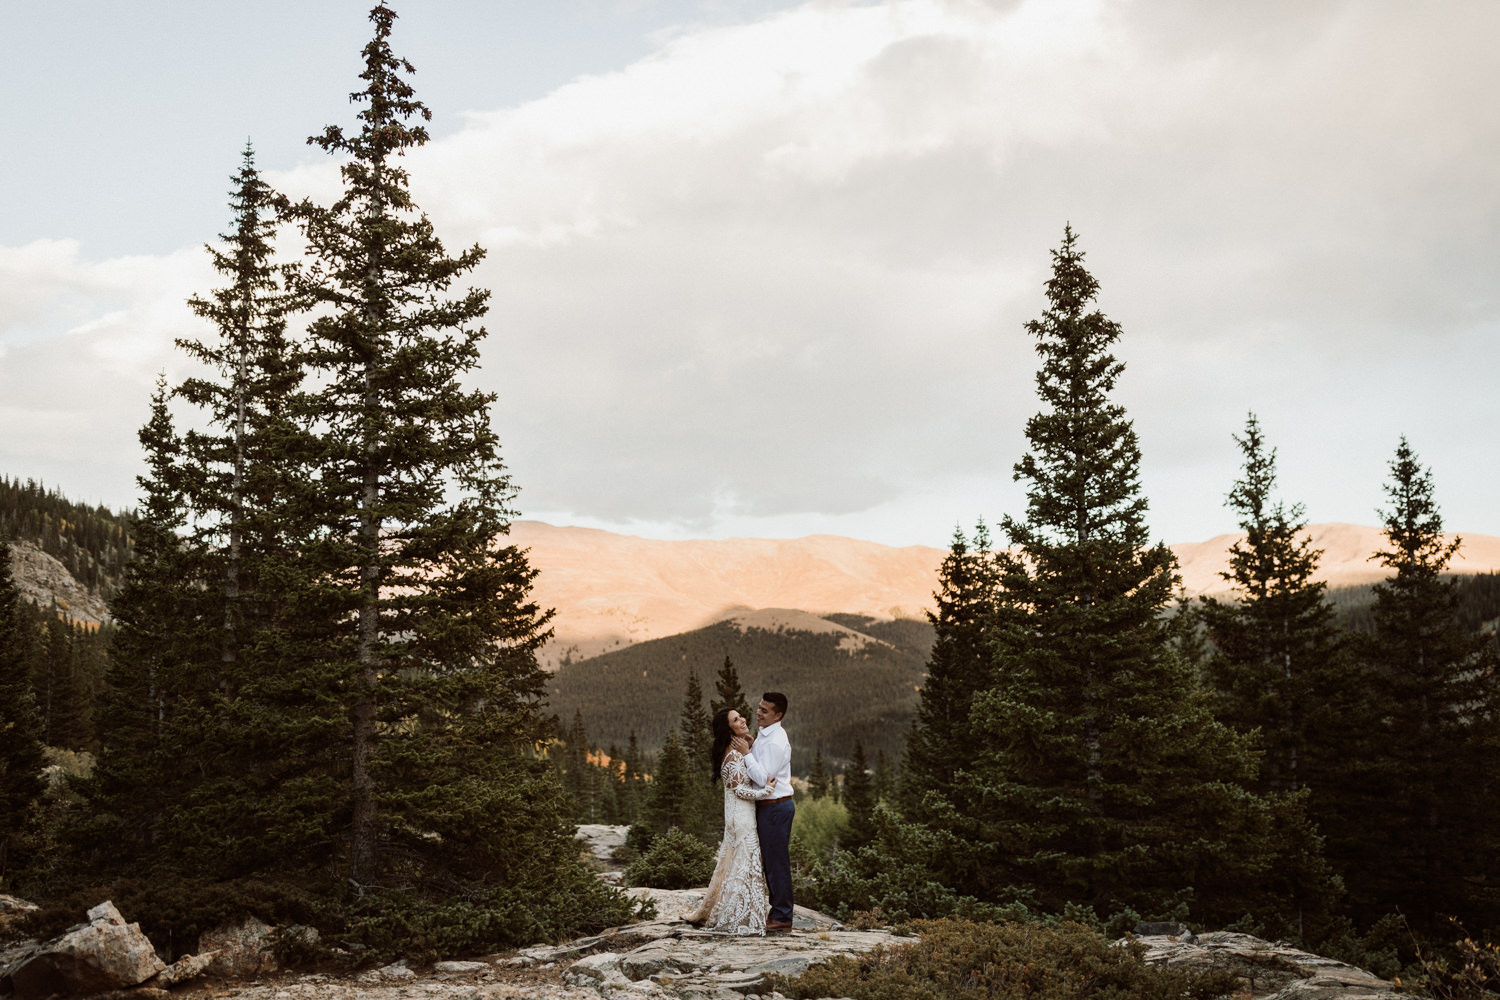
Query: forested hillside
{"points": [[65, 660], [1478, 604], [93, 543], [837, 695]]}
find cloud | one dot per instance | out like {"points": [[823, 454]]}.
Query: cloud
{"points": [[80, 343], [776, 273]]}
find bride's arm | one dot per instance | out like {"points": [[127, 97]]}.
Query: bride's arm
{"points": [[738, 782]]}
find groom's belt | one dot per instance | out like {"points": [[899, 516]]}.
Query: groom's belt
{"points": [[766, 802]]}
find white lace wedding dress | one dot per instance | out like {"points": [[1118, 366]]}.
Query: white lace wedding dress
{"points": [[737, 902]]}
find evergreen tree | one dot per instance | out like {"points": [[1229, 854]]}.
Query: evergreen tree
{"points": [[886, 778], [729, 693], [859, 798], [819, 781], [248, 461], [1426, 842], [164, 634], [1276, 660], [427, 628], [705, 805], [694, 724], [577, 778], [633, 792], [959, 667], [1099, 774], [20, 727], [672, 788]]}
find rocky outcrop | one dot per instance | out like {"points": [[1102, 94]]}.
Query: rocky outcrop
{"points": [[44, 580], [1273, 971], [240, 950], [102, 955], [602, 840], [13, 911]]}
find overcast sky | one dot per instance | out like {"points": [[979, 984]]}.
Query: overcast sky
{"points": [[761, 268]]}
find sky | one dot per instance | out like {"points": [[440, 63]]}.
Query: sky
{"points": [[762, 268]]}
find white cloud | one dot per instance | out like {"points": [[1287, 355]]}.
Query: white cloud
{"points": [[82, 341], [776, 273]]}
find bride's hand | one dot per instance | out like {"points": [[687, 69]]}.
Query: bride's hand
{"points": [[740, 743], [771, 783]]}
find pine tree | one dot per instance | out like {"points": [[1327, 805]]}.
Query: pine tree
{"points": [[729, 693], [433, 633], [694, 724], [886, 778], [704, 808], [1100, 775], [248, 461], [164, 634], [1426, 841], [960, 665], [673, 786], [574, 764], [1277, 657], [859, 798], [633, 792], [819, 781], [21, 759]]}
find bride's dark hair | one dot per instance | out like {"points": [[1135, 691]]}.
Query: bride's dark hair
{"points": [[722, 737]]}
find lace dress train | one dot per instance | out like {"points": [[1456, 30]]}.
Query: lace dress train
{"points": [[737, 902]]}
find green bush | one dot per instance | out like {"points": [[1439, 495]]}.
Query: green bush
{"points": [[962, 960], [675, 860], [819, 823], [897, 875]]}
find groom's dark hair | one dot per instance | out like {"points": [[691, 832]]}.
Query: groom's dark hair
{"points": [[777, 699]]}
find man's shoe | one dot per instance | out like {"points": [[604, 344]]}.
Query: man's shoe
{"points": [[778, 926]]}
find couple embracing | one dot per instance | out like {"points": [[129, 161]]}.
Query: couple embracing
{"points": [[754, 860]]}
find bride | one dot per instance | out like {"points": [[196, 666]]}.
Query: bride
{"points": [[736, 902]]}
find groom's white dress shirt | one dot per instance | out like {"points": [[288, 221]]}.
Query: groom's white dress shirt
{"points": [[771, 758]]}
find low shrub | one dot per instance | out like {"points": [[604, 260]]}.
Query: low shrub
{"points": [[964, 960], [675, 860], [819, 823]]}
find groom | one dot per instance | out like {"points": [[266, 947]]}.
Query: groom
{"points": [[770, 758]]}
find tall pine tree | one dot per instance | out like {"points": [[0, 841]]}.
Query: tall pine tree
{"points": [[1427, 839], [248, 461], [1100, 775], [165, 636], [1277, 662], [429, 624], [961, 665], [705, 806]]}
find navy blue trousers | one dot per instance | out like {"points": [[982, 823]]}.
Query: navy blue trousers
{"points": [[774, 824]]}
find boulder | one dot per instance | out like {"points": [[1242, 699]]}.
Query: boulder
{"points": [[601, 840], [185, 968], [13, 911], [103, 955], [460, 968], [240, 950]]}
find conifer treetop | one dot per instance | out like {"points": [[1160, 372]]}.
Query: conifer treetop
{"points": [[1083, 468], [1271, 554], [1413, 525]]}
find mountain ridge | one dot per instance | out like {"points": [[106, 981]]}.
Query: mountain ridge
{"points": [[614, 590]]}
